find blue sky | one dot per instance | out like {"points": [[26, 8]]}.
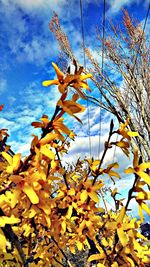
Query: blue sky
{"points": [[26, 51]]}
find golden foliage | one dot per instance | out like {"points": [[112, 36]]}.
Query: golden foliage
{"points": [[49, 209]]}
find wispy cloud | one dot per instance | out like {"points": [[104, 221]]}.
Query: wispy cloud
{"points": [[3, 85], [117, 5]]}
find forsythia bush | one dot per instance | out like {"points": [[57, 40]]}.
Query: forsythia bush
{"points": [[48, 210]]}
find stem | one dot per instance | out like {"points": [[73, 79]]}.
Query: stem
{"points": [[64, 176], [133, 186], [59, 262], [107, 146], [66, 258], [46, 130], [131, 191], [14, 239], [104, 201]]}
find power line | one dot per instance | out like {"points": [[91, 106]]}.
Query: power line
{"points": [[101, 97], [83, 44]]}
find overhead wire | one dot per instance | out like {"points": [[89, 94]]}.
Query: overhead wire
{"points": [[84, 61], [102, 70]]}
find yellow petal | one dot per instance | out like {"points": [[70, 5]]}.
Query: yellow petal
{"points": [[63, 128], [83, 85], [128, 259], [145, 177], [73, 106], [16, 161], [15, 198], [54, 164], [9, 169], [2, 241], [113, 165], [122, 144], [48, 220], [8, 220], [69, 212], [83, 195], [115, 264], [112, 173], [48, 138], [145, 207], [132, 134], [111, 225], [7, 157], [45, 208], [121, 215], [122, 236], [104, 242], [50, 82], [37, 124], [47, 152], [79, 245], [72, 249], [29, 191], [89, 225], [143, 195], [129, 170], [59, 73], [96, 257], [83, 77], [143, 166], [63, 225], [32, 212], [94, 196], [71, 192]]}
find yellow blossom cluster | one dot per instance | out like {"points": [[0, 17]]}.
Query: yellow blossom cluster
{"points": [[48, 210]]}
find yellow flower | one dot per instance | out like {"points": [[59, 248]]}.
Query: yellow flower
{"points": [[59, 127], [14, 162], [139, 168], [124, 146], [23, 185], [70, 106], [8, 220], [93, 164], [90, 191], [3, 241], [120, 227], [110, 172], [73, 80], [124, 131]]}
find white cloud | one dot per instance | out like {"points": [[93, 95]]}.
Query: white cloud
{"points": [[117, 5], [3, 85], [31, 5], [25, 44], [6, 123]]}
